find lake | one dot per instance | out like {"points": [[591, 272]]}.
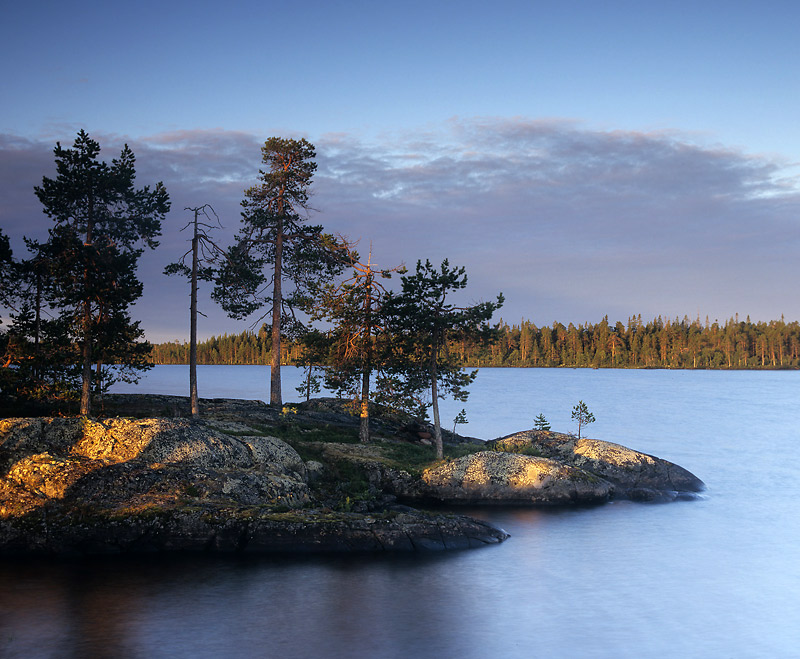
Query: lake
{"points": [[714, 577]]}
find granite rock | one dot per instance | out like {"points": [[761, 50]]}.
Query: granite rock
{"points": [[634, 474], [506, 478]]}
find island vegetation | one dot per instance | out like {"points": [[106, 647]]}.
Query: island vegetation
{"points": [[71, 335], [248, 477]]}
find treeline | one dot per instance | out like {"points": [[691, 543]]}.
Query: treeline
{"points": [[658, 343], [244, 348]]}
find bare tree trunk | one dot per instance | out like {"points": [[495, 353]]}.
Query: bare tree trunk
{"points": [[193, 327]]}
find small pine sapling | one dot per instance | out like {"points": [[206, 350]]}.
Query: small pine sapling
{"points": [[582, 415], [311, 383], [540, 423], [461, 417]]}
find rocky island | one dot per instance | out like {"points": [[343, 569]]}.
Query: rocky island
{"points": [[251, 478]]}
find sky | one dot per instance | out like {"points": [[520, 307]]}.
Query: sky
{"points": [[583, 158]]}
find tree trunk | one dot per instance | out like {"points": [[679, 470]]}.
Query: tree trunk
{"points": [[275, 398], [363, 431], [98, 378], [86, 349], [86, 357], [193, 327], [437, 427], [366, 352], [37, 372]]}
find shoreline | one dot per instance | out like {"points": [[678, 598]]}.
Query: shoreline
{"points": [[250, 478]]}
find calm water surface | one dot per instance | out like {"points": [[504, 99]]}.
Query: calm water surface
{"points": [[716, 577]]}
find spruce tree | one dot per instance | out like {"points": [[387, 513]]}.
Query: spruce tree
{"points": [[7, 273], [541, 423]]}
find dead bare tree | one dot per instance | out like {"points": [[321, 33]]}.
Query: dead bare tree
{"points": [[205, 254]]}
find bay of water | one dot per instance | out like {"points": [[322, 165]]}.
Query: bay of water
{"points": [[714, 577]]}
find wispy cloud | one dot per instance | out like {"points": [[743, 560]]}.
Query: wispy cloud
{"points": [[570, 223]]}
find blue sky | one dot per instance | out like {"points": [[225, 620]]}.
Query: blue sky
{"points": [[585, 158]]}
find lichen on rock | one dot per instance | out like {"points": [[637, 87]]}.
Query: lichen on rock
{"points": [[114, 461], [634, 474], [155, 484], [224, 483], [495, 477]]}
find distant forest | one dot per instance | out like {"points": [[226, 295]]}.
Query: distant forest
{"points": [[657, 344]]}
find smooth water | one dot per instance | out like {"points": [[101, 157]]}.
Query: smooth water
{"points": [[715, 577]]}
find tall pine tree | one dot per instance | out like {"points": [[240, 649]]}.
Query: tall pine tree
{"points": [[102, 224], [278, 258]]}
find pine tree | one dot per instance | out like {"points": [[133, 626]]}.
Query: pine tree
{"points": [[461, 417], [314, 349], [582, 415], [102, 224], [355, 306], [276, 248], [422, 320]]}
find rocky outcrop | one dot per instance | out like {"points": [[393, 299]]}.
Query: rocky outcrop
{"points": [[224, 484], [633, 474], [141, 462], [321, 412], [123, 485], [244, 530], [506, 478]]}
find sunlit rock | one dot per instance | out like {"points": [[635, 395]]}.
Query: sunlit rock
{"points": [[494, 477], [150, 485], [142, 462], [635, 475]]}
